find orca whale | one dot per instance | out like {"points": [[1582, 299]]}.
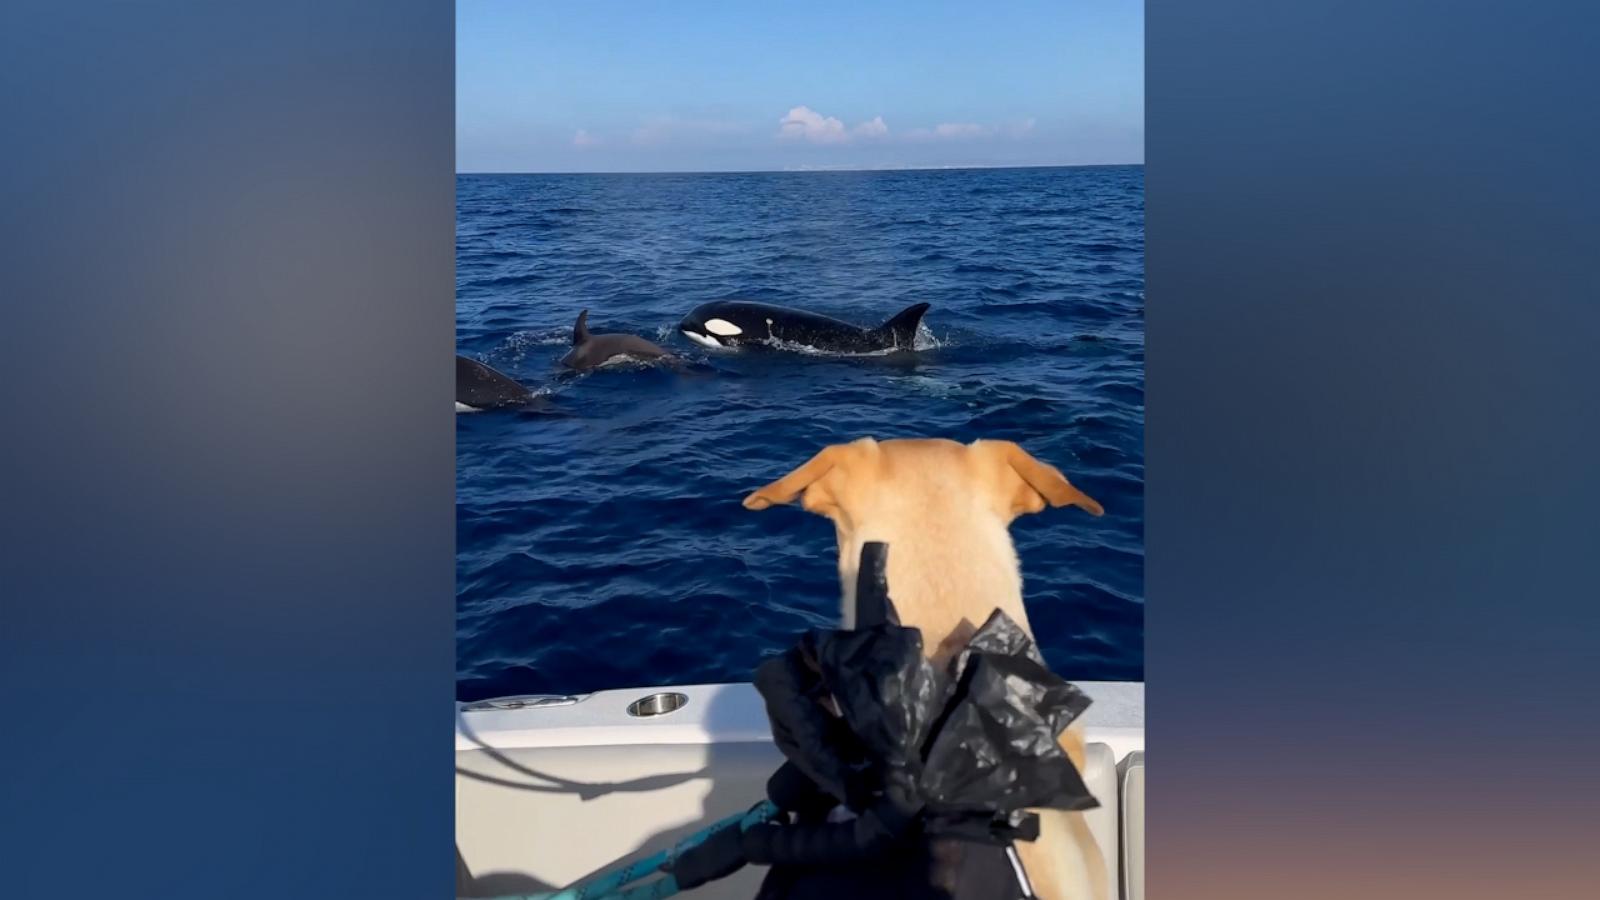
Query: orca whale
{"points": [[479, 387], [590, 350], [734, 323]]}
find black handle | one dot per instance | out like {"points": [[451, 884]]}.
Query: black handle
{"points": [[873, 606]]}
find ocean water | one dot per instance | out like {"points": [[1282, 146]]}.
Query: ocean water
{"points": [[601, 544]]}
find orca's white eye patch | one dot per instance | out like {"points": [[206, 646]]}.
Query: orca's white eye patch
{"points": [[723, 327], [703, 339]]}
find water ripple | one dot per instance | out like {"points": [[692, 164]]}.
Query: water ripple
{"points": [[603, 545]]}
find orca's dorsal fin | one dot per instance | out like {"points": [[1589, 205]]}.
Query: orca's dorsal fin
{"points": [[580, 331], [902, 329]]}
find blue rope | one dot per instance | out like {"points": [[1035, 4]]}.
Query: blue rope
{"points": [[609, 886]]}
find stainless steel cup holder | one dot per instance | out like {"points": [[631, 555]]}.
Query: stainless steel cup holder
{"points": [[657, 705]]}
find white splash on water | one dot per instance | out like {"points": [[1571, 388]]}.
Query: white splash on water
{"points": [[926, 340], [515, 349]]}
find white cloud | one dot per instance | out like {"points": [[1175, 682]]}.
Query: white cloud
{"points": [[584, 139], [805, 123], [1020, 129], [872, 129], [966, 131], [960, 130], [950, 131]]}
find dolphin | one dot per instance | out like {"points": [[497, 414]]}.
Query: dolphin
{"points": [[590, 350], [733, 323], [479, 387]]}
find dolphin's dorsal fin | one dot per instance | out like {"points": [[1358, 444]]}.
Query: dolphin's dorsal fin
{"points": [[580, 331], [902, 329]]}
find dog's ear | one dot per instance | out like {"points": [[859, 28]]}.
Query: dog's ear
{"points": [[1040, 483], [802, 480]]}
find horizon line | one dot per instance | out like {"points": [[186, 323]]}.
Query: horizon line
{"points": [[795, 171]]}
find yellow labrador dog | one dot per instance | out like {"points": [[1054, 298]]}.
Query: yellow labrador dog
{"points": [[944, 509]]}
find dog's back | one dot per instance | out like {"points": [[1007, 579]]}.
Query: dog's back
{"points": [[943, 508]]}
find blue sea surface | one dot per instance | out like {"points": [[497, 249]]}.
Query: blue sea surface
{"points": [[601, 544]]}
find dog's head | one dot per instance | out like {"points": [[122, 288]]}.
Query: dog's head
{"points": [[933, 502], [848, 483]]}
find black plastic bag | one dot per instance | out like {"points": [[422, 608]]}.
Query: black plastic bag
{"points": [[818, 743], [977, 741], [996, 746]]}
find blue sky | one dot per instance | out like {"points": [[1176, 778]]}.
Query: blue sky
{"points": [[681, 85]]}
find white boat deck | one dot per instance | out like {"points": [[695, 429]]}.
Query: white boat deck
{"points": [[550, 790]]}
